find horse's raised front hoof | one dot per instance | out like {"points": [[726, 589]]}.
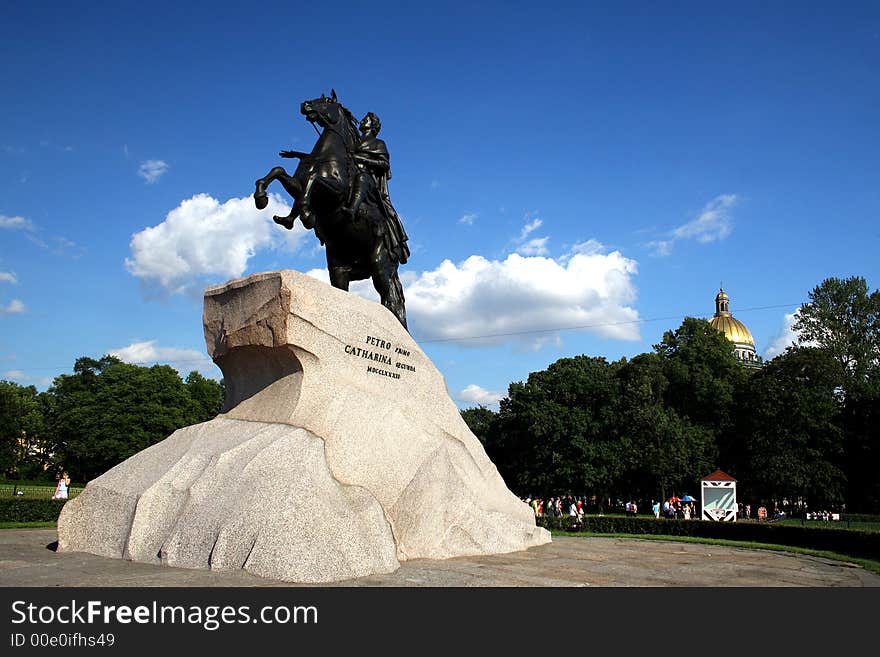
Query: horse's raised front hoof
{"points": [[307, 218], [287, 222], [261, 200]]}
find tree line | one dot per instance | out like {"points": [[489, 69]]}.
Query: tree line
{"points": [[802, 428], [95, 418]]}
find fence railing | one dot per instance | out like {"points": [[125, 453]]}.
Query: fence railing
{"points": [[36, 491]]}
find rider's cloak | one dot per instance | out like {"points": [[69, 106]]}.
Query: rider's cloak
{"points": [[394, 235]]}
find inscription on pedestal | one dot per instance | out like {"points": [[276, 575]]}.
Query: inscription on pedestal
{"points": [[381, 352]]}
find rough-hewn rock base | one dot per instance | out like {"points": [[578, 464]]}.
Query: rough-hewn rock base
{"points": [[339, 455]]}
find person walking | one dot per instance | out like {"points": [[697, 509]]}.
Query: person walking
{"points": [[62, 488]]}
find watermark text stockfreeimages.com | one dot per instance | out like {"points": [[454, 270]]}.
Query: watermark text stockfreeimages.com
{"points": [[209, 617]]}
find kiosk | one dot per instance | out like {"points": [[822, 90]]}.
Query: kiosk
{"points": [[718, 497]]}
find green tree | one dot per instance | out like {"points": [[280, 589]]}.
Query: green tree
{"points": [[554, 432], [10, 426], [25, 448], [207, 393], [480, 421], [669, 453], [703, 373], [791, 439], [843, 319], [861, 426], [108, 410]]}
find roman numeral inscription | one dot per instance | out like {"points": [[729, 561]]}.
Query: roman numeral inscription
{"points": [[384, 358]]}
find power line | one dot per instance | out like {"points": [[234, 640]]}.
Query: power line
{"points": [[591, 326], [488, 335], [128, 362]]}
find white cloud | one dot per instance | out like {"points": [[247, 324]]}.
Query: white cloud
{"points": [[480, 297], [468, 218], [714, 222], [362, 288], [14, 307], [8, 277], [524, 299], [590, 247], [32, 234], [25, 379], [204, 239], [787, 337], [37, 240], [661, 247], [64, 247], [15, 223], [529, 228], [534, 247], [183, 360], [152, 170], [474, 394]]}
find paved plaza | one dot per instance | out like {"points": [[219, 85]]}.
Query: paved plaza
{"points": [[27, 560]]}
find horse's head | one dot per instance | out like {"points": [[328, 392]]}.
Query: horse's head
{"points": [[325, 111]]}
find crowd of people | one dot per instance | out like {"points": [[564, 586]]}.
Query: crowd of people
{"points": [[673, 508], [557, 506], [575, 507]]}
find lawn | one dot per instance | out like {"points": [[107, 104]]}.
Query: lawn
{"points": [[868, 564], [27, 525], [862, 525]]}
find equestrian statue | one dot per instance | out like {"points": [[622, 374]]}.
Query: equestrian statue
{"points": [[340, 190]]}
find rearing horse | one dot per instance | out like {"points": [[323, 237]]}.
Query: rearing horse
{"points": [[356, 248]]}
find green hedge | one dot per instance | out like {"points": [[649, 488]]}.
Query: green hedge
{"points": [[29, 510], [843, 541], [860, 517]]}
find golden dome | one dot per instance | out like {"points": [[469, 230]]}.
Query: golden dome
{"points": [[732, 328]]}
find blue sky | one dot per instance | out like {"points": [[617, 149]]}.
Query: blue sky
{"points": [[572, 166]]}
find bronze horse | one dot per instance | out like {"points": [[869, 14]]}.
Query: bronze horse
{"points": [[357, 246]]}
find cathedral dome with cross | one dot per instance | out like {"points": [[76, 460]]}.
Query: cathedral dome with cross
{"points": [[735, 331]]}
